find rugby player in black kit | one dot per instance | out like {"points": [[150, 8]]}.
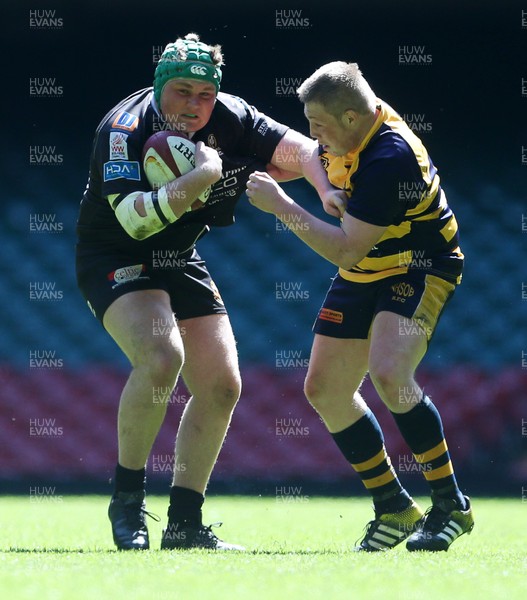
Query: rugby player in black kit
{"points": [[123, 226]]}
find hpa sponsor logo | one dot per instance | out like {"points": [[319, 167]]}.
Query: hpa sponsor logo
{"points": [[122, 169]]}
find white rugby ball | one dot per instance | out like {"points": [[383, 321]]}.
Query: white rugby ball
{"points": [[168, 155]]}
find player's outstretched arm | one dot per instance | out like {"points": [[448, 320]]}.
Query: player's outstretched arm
{"points": [[344, 245]]}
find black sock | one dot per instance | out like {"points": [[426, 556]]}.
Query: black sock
{"points": [[185, 506], [362, 444], [422, 429], [129, 480]]}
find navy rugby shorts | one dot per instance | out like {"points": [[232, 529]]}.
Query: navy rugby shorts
{"points": [[349, 308], [104, 277]]}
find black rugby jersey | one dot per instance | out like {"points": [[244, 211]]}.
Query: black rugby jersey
{"points": [[244, 137], [392, 182]]}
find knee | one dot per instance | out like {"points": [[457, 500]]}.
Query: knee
{"points": [[316, 391], [226, 390], [390, 381], [161, 362]]}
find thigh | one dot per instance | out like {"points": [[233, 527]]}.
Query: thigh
{"points": [[407, 313], [337, 366], [193, 292], [105, 276], [211, 358], [418, 299], [143, 326], [397, 347], [347, 311]]}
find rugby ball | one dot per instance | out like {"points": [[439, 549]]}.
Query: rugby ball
{"points": [[168, 155]]}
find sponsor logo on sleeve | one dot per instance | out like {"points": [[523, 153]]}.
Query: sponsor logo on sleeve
{"points": [[125, 169], [118, 145], [125, 120], [334, 316]]}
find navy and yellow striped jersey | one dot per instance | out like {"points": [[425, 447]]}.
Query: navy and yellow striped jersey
{"points": [[392, 182]]}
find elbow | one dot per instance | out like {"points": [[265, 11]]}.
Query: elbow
{"points": [[346, 260], [138, 233]]}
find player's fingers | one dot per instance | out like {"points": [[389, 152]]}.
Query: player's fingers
{"points": [[332, 210]]}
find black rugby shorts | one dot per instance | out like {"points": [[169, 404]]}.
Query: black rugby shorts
{"points": [[104, 277]]}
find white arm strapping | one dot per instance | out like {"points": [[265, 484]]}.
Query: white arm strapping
{"points": [[157, 209]]}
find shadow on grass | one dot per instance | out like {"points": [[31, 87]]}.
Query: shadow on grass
{"points": [[258, 552], [17, 550], [284, 552]]}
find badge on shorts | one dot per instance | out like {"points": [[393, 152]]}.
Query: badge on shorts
{"points": [[335, 316], [126, 274]]}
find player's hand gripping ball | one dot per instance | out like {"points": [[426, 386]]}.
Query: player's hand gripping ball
{"points": [[168, 155]]}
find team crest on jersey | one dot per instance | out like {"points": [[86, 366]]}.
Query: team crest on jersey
{"points": [[126, 274], [125, 120], [118, 145], [122, 169]]}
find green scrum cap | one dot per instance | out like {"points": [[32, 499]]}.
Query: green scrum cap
{"points": [[197, 64]]}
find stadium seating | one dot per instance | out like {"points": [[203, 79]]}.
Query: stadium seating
{"points": [[474, 369]]}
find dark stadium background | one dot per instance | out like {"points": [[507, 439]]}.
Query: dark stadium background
{"points": [[58, 423]]}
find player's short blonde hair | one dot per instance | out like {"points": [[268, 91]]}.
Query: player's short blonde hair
{"points": [[338, 86]]}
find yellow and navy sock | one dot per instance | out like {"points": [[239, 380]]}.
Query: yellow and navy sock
{"points": [[362, 444], [422, 429]]}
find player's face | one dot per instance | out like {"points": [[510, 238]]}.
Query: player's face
{"points": [[332, 133], [188, 103]]}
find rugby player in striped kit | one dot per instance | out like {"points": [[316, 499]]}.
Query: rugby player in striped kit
{"points": [[397, 249]]}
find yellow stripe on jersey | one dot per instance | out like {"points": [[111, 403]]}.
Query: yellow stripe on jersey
{"points": [[370, 277], [450, 229]]}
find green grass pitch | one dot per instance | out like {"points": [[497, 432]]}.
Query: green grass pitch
{"points": [[61, 548]]}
